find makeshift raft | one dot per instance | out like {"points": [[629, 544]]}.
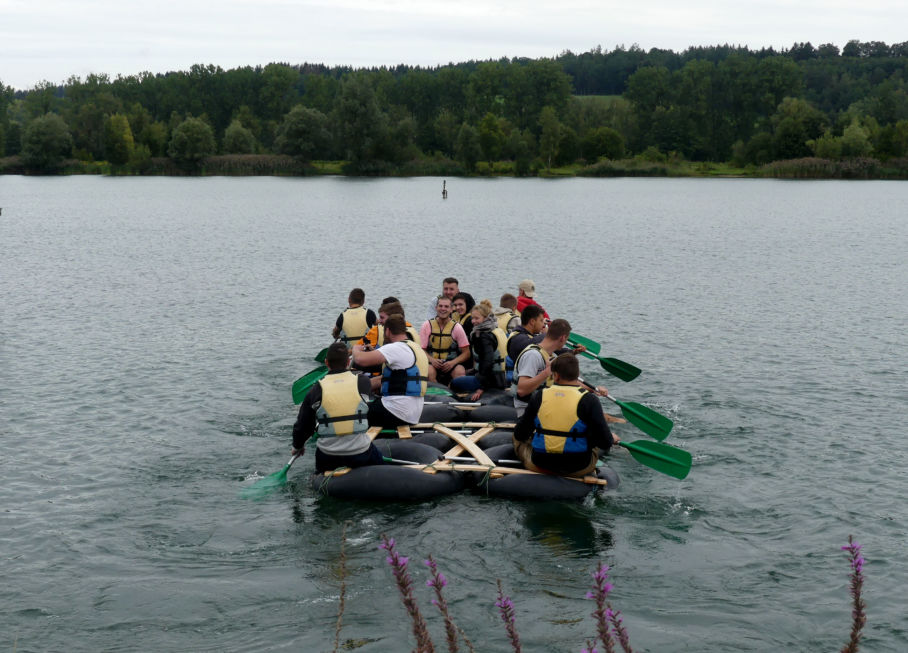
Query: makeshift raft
{"points": [[423, 470]]}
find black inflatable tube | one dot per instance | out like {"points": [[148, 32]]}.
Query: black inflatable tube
{"points": [[391, 482], [537, 486]]}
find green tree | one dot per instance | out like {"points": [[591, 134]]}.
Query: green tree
{"points": [[191, 141], [238, 139], [490, 137], [46, 142], [362, 125], [602, 142], [568, 146], [855, 141], [304, 134], [118, 140], [550, 134], [468, 148]]}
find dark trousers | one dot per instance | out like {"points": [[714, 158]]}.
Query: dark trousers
{"points": [[381, 416], [325, 461]]}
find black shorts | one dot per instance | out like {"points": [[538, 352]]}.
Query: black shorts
{"points": [[381, 416]]}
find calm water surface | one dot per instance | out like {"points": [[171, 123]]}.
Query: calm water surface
{"points": [[150, 330]]}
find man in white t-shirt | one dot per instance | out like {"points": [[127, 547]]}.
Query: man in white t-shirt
{"points": [[404, 376]]}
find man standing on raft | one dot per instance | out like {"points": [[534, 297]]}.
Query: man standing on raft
{"points": [[563, 430], [335, 409]]}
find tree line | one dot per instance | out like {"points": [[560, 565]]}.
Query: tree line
{"points": [[719, 104]]}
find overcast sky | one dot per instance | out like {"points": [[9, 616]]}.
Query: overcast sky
{"points": [[54, 39]]}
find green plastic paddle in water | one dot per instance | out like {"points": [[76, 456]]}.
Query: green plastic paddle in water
{"points": [[320, 356], [615, 367], [267, 485], [645, 419], [301, 385], [661, 457]]}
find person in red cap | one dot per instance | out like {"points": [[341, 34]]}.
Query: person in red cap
{"points": [[526, 293]]}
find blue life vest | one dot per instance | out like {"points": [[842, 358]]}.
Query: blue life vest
{"points": [[411, 381]]}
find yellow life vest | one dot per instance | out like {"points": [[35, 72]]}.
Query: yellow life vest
{"points": [[353, 325], [504, 319], [441, 342], [501, 352], [342, 410], [558, 429]]}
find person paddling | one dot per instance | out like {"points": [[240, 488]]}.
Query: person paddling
{"points": [[563, 431], [335, 410], [403, 378]]}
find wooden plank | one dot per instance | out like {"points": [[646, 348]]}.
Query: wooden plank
{"points": [[475, 437], [403, 432], [373, 432], [429, 425], [501, 471], [468, 445]]}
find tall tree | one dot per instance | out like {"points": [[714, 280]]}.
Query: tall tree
{"points": [[118, 140], [304, 134], [45, 143], [550, 133], [191, 141]]}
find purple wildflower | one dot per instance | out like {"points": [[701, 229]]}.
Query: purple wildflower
{"points": [[506, 610], [398, 565], [601, 588], [858, 617], [437, 582], [614, 617]]}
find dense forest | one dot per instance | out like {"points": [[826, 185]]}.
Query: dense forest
{"points": [[823, 106]]}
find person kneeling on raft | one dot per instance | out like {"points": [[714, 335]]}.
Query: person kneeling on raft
{"points": [[403, 379], [336, 412], [563, 430]]}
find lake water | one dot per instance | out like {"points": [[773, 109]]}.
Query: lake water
{"points": [[150, 330]]}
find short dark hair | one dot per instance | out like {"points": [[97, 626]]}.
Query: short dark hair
{"points": [[450, 280], [396, 324], [390, 300], [508, 301], [530, 313], [357, 296], [337, 356], [391, 308], [566, 367], [467, 298], [559, 328]]}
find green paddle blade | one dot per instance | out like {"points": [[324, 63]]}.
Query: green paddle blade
{"points": [[301, 385], [432, 390], [320, 356], [646, 419], [661, 457], [265, 486], [591, 345], [615, 367]]}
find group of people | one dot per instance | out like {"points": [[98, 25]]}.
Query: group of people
{"points": [[474, 349]]}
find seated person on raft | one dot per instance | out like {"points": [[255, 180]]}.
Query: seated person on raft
{"points": [[462, 304], [355, 321], [445, 341], [506, 313], [487, 342], [335, 410], [531, 331], [403, 378], [563, 430]]}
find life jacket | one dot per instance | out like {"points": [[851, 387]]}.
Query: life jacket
{"points": [[545, 359], [504, 318], [342, 410], [353, 325], [412, 333], [411, 381], [441, 341], [558, 430], [501, 351]]}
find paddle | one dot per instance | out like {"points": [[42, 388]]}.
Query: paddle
{"points": [[265, 486], [645, 419], [661, 457], [301, 385], [615, 367], [320, 356]]}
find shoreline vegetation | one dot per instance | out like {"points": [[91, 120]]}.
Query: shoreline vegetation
{"points": [[251, 165], [806, 112]]}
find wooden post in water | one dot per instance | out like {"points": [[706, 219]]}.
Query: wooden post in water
{"points": [[444, 191]]}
